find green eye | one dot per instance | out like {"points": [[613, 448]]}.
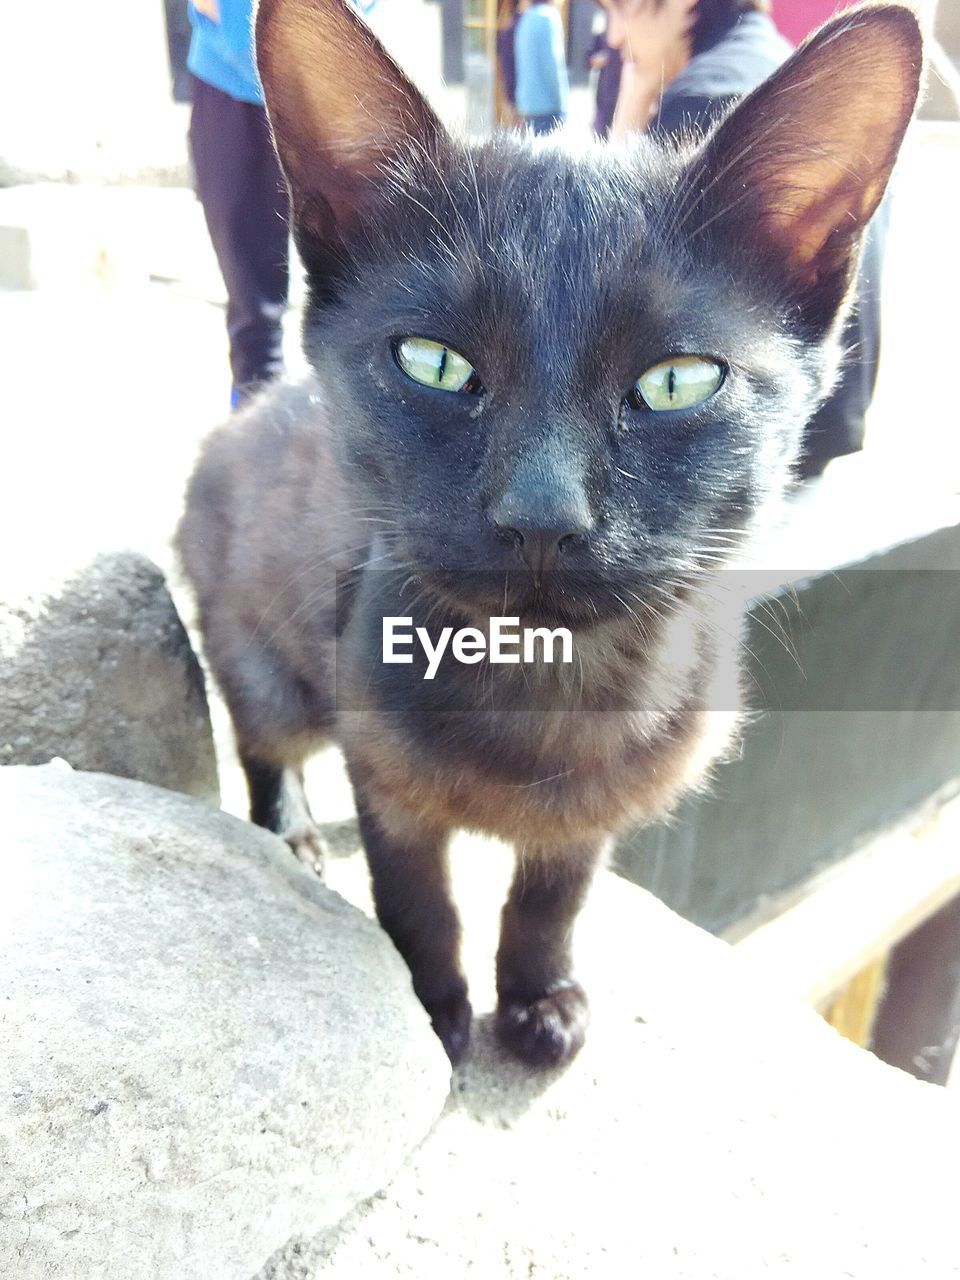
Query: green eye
{"points": [[435, 365], [679, 383]]}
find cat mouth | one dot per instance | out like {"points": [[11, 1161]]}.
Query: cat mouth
{"points": [[556, 599]]}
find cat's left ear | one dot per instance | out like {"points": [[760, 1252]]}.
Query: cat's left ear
{"points": [[796, 171], [340, 107]]}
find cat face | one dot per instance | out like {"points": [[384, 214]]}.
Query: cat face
{"points": [[555, 283], [548, 288]]}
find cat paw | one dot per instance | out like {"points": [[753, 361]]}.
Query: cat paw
{"points": [[545, 1032], [451, 1017], [308, 846]]}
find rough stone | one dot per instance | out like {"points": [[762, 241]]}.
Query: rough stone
{"points": [[96, 668], [203, 1050], [711, 1129]]}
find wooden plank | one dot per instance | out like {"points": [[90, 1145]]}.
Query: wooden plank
{"points": [[853, 1010], [839, 923]]}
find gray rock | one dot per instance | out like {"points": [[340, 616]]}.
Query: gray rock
{"points": [[203, 1051], [96, 668]]}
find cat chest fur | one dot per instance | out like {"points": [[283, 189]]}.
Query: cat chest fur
{"points": [[529, 764]]}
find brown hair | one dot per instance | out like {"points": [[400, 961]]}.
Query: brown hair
{"points": [[713, 18]]}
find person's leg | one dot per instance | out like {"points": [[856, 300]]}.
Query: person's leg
{"points": [[241, 188], [839, 426], [544, 124]]}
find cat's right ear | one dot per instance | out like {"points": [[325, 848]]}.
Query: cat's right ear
{"points": [[795, 172], [340, 107]]}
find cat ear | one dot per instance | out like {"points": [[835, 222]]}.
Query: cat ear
{"points": [[340, 108], [799, 167]]}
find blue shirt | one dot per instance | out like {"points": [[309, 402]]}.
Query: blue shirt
{"points": [[542, 82], [221, 53]]}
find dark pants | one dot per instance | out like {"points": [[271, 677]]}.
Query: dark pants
{"points": [[839, 426], [244, 198], [544, 124]]}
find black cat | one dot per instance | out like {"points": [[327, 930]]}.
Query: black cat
{"points": [[558, 385]]}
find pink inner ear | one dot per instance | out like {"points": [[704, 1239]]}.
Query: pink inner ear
{"points": [[339, 105], [811, 150], [805, 229]]}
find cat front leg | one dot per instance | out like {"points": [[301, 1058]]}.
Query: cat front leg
{"points": [[278, 803], [279, 721], [542, 1012], [411, 891]]}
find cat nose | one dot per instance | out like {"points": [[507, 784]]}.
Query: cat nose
{"points": [[541, 536]]}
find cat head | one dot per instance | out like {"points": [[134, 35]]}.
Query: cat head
{"points": [[559, 371]]}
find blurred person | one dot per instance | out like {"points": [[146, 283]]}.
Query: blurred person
{"points": [[690, 59], [506, 60], [543, 86], [654, 41], [239, 183], [606, 61], [688, 62], [734, 45]]}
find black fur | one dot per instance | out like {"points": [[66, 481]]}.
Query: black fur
{"points": [[546, 492]]}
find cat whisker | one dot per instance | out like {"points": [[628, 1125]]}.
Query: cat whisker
{"points": [[321, 595], [291, 581], [641, 630]]}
